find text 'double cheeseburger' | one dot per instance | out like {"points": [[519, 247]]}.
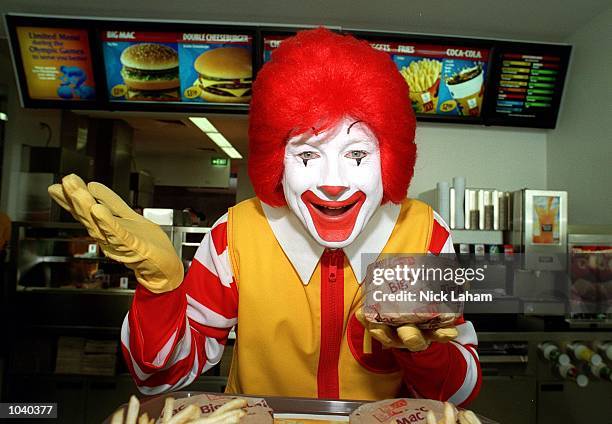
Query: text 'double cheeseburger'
{"points": [[150, 72], [225, 75]]}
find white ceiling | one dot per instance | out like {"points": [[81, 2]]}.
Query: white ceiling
{"points": [[535, 20]]}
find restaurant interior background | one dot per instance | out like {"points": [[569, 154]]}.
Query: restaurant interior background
{"points": [[174, 165]]}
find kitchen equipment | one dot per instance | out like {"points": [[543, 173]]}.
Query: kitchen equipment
{"points": [[162, 216]]}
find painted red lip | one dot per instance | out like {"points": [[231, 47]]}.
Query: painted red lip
{"points": [[333, 220]]}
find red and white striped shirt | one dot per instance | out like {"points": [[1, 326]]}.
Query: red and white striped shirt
{"points": [[169, 339]]}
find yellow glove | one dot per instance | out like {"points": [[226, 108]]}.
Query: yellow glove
{"points": [[122, 234], [407, 336]]}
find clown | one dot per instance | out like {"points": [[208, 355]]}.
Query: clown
{"points": [[331, 156]]}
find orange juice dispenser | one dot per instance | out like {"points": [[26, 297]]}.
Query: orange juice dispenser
{"points": [[539, 229], [539, 239]]}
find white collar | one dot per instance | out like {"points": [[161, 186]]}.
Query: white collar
{"points": [[304, 252]]}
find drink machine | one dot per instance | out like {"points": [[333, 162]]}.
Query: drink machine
{"points": [[539, 238]]}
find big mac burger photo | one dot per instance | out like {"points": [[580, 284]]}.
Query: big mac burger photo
{"points": [[225, 75], [150, 72]]}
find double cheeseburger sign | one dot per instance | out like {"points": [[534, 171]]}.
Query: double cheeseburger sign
{"points": [[178, 67]]}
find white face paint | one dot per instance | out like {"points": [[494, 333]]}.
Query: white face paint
{"points": [[332, 181]]}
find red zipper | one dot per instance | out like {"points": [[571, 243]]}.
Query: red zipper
{"points": [[332, 321]]}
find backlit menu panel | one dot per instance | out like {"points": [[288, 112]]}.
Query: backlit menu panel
{"points": [[183, 67], [527, 84], [56, 63], [444, 80]]}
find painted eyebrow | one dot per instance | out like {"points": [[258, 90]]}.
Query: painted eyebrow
{"points": [[348, 130]]}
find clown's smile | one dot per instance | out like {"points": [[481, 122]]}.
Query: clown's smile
{"points": [[333, 220]]}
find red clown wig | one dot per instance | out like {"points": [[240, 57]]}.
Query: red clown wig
{"points": [[313, 81]]}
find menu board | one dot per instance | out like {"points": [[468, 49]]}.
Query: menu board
{"points": [[103, 64], [56, 63], [270, 42], [178, 67], [528, 85], [443, 80]]}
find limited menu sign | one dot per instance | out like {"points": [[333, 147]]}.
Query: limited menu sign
{"points": [[56, 63], [443, 80], [178, 67]]}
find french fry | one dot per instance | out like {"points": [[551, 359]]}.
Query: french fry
{"points": [[232, 404], [422, 81], [450, 416], [168, 408], [229, 417], [132, 412], [431, 418], [143, 419], [204, 420], [468, 417], [229, 413], [473, 417], [117, 417], [189, 413]]}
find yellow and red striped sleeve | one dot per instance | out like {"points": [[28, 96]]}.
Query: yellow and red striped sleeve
{"points": [[169, 339]]}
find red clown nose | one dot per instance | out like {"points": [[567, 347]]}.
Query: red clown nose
{"points": [[332, 191]]}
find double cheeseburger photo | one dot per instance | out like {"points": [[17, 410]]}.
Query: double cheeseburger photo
{"points": [[225, 75], [150, 72]]}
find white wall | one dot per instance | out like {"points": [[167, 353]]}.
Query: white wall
{"points": [[489, 157], [580, 149]]}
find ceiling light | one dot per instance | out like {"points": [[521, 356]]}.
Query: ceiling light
{"points": [[204, 124], [232, 153], [213, 133], [219, 140]]}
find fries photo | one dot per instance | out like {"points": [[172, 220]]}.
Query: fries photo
{"points": [[422, 74], [423, 78]]}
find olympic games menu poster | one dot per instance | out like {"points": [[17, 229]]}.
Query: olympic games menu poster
{"points": [[56, 63]]}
